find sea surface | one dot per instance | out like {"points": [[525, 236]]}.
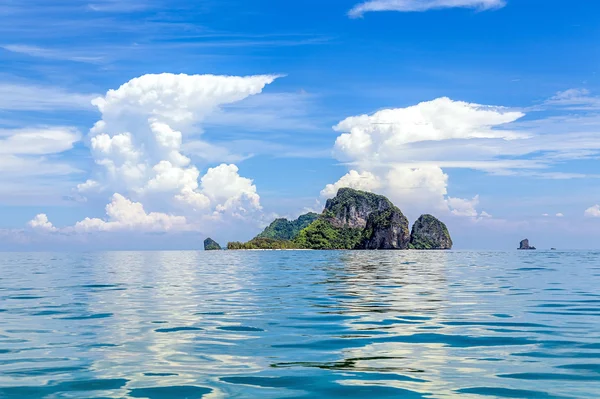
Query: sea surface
{"points": [[300, 324]]}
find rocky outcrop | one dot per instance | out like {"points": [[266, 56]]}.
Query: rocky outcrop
{"points": [[283, 229], [524, 244], [387, 229], [343, 220], [430, 233], [351, 208], [353, 219], [211, 245]]}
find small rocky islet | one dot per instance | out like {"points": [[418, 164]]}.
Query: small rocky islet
{"points": [[353, 219], [524, 245], [211, 245]]}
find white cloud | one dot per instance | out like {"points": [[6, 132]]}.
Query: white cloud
{"points": [[422, 5], [30, 97], [545, 214], [124, 214], [88, 185], [365, 181], [176, 99], [575, 99], [40, 222], [593, 211], [463, 207], [378, 137], [385, 147], [38, 141], [29, 152], [224, 186], [559, 215], [138, 147], [408, 150], [138, 143]]}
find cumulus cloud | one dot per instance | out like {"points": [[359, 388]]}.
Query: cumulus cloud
{"points": [[407, 151], [139, 148], [123, 214], [560, 215], [224, 186], [593, 211], [384, 150], [422, 5], [40, 222], [365, 181]]}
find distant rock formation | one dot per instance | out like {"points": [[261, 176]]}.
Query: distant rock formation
{"points": [[351, 208], [525, 245], [343, 220], [211, 245], [353, 219], [387, 229], [430, 233]]}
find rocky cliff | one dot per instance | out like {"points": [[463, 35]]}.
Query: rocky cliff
{"points": [[211, 245], [351, 208], [387, 229], [343, 220], [430, 233]]}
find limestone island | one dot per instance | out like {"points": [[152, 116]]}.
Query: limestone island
{"points": [[353, 219], [211, 245], [524, 245]]}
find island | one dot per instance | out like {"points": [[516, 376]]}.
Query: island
{"points": [[524, 245], [353, 219], [211, 245]]}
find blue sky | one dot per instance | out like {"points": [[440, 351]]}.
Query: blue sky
{"points": [[483, 112]]}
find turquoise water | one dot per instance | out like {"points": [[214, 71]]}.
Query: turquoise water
{"points": [[300, 324]]}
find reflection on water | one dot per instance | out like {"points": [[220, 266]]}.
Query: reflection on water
{"points": [[300, 324]]}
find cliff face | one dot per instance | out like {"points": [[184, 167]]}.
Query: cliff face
{"points": [[283, 229], [525, 244], [343, 220], [351, 208], [211, 245], [430, 233], [387, 229]]}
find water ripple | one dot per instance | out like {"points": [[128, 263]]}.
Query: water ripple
{"points": [[300, 324]]}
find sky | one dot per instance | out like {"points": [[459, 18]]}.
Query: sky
{"points": [[130, 124]]}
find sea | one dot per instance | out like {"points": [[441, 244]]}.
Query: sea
{"points": [[300, 324]]}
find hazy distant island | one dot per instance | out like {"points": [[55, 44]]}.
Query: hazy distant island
{"points": [[353, 219], [524, 245], [211, 245]]}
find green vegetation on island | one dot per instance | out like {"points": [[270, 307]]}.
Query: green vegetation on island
{"points": [[353, 219], [430, 233], [322, 234], [211, 245], [283, 229], [263, 243]]}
